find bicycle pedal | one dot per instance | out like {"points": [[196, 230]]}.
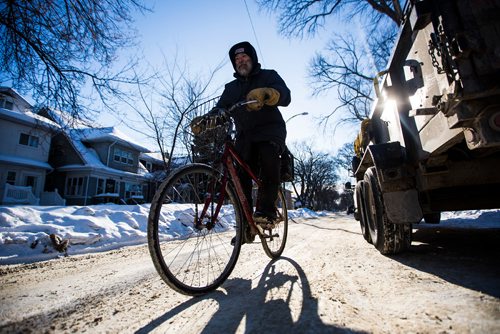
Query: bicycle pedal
{"points": [[271, 236]]}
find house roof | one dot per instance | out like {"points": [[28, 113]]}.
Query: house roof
{"points": [[85, 132], [15, 160], [28, 118], [16, 96], [96, 135], [64, 119], [90, 156], [102, 169]]}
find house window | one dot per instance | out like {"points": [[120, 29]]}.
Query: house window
{"points": [[30, 181], [11, 178], [100, 186], [132, 189], [111, 187], [125, 157], [107, 186], [28, 140], [6, 104], [74, 186]]}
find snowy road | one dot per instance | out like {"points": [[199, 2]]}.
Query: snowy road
{"points": [[329, 280]]}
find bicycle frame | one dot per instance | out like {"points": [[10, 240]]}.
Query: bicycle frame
{"points": [[229, 156]]}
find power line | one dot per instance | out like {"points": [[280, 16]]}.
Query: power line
{"points": [[254, 33]]}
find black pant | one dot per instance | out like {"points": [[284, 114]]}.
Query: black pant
{"points": [[264, 160]]}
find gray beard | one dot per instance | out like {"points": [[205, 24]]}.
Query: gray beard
{"points": [[244, 71]]}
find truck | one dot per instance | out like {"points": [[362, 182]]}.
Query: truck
{"points": [[432, 141]]}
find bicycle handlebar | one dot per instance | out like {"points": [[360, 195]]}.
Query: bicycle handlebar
{"points": [[215, 118], [241, 104]]}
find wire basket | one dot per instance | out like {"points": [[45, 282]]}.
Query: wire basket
{"points": [[209, 137]]}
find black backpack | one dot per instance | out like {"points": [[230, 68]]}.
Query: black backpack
{"points": [[286, 171]]}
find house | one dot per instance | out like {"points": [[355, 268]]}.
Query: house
{"points": [[25, 141], [97, 165], [43, 160]]}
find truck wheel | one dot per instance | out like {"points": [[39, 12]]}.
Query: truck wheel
{"points": [[387, 237], [432, 218], [359, 190]]}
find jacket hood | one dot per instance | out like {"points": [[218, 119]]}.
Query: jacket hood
{"points": [[247, 48]]}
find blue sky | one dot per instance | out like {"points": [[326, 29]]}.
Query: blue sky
{"points": [[200, 33]]}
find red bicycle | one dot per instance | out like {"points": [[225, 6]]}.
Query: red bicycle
{"points": [[208, 201]]}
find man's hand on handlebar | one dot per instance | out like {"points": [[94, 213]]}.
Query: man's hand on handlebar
{"points": [[268, 96]]}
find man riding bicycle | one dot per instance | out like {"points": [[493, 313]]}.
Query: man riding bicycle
{"points": [[260, 130]]}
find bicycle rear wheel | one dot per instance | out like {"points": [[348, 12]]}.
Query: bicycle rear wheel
{"points": [[191, 251], [274, 240]]}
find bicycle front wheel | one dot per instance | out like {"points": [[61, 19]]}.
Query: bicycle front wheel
{"points": [[274, 240], [194, 248]]}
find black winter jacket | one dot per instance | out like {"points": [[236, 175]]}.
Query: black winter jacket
{"points": [[266, 124]]}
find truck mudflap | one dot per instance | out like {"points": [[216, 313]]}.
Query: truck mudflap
{"points": [[403, 207], [396, 181]]}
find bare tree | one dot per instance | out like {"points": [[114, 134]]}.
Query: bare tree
{"points": [[61, 52], [343, 160], [316, 176], [345, 70], [168, 104], [296, 17], [345, 64]]}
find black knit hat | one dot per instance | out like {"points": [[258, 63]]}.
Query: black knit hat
{"points": [[243, 47]]}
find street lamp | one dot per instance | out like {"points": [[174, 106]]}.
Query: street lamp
{"points": [[300, 114]]}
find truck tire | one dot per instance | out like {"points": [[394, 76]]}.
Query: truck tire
{"points": [[387, 237], [359, 191]]}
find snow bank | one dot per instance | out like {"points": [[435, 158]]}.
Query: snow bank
{"points": [[25, 230]]}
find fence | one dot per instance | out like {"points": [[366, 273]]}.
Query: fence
{"points": [[19, 195], [52, 198]]}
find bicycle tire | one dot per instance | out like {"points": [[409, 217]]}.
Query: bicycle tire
{"points": [[201, 260], [274, 241]]}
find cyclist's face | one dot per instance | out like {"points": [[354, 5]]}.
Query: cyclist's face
{"points": [[243, 64]]}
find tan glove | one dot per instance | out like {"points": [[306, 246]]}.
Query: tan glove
{"points": [[206, 122], [198, 125], [269, 96]]}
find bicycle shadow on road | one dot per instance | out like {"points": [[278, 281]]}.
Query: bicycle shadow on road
{"points": [[260, 307], [462, 256]]}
